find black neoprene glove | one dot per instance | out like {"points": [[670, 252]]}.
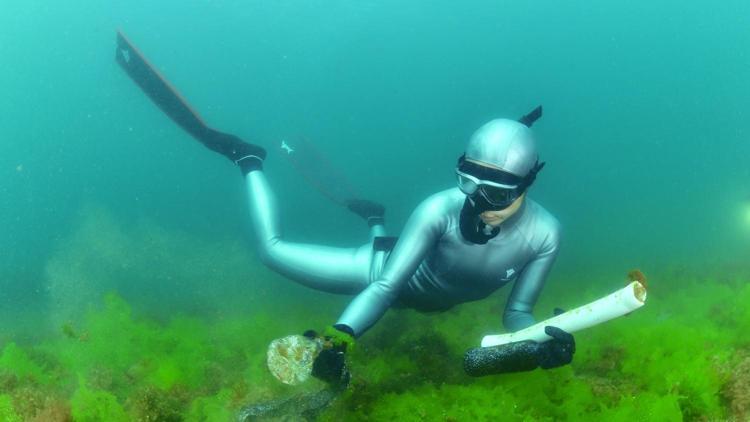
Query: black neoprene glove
{"points": [[330, 364], [558, 351]]}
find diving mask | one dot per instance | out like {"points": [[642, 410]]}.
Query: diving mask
{"points": [[498, 188]]}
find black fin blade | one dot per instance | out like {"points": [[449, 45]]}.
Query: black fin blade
{"points": [[158, 88], [532, 117]]}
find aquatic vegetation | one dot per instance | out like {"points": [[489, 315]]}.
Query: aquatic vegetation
{"points": [[7, 412], [211, 408], [677, 359], [16, 363], [684, 356], [669, 361], [96, 405], [736, 391]]}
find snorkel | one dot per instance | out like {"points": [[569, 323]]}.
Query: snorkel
{"points": [[499, 165]]}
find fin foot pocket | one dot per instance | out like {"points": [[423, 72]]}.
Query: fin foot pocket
{"points": [[371, 211]]}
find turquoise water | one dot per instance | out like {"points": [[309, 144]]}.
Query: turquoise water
{"points": [[645, 136]]}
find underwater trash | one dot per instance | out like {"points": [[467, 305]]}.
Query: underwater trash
{"points": [[521, 348], [290, 359], [619, 303]]}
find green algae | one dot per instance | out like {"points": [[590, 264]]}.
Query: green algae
{"points": [[7, 411], [96, 405], [673, 360], [16, 362], [211, 408], [684, 356]]}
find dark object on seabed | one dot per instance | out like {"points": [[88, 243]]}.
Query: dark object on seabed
{"points": [[522, 355], [306, 406]]}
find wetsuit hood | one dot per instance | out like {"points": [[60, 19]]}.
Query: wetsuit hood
{"points": [[507, 149]]}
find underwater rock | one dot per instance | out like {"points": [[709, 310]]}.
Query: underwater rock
{"points": [[290, 359], [306, 406]]}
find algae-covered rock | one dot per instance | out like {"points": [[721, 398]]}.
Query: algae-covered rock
{"points": [[305, 406], [290, 359]]}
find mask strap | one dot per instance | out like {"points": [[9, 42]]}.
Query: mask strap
{"points": [[529, 179]]}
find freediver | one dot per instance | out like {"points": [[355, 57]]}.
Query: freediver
{"points": [[458, 245]]}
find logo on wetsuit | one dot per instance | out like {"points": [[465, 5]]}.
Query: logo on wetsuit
{"points": [[508, 274]]}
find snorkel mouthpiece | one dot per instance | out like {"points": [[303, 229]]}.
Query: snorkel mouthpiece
{"points": [[473, 229]]}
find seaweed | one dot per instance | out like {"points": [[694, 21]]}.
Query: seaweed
{"points": [[684, 356], [736, 392], [15, 362], [96, 405], [7, 411], [691, 365]]}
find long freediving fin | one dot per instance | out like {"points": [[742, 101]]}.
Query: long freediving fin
{"points": [[156, 86], [174, 105]]}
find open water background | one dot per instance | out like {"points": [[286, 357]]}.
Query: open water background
{"points": [[645, 132]]}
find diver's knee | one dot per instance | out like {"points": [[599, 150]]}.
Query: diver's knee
{"points": [[377, 230], [268, 252]]}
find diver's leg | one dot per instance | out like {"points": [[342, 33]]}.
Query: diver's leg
{"points": [[329, 269], [377, 230], [334, 270]]}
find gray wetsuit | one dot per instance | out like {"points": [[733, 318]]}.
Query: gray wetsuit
{"points": [[431, 267]]}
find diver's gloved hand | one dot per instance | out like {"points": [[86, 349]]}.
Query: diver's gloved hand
{"points": [[330, 364], [558, 351]]}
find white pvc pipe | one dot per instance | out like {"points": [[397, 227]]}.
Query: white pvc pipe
{"points": [[619, 303]]}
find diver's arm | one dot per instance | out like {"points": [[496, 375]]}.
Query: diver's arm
{"points": [[529, 285], [425, 226]]}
